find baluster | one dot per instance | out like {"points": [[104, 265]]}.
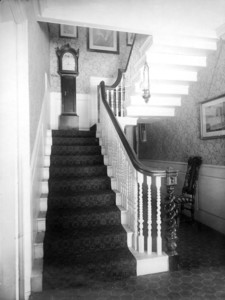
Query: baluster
{"points": [[149, 239], [107, 96], [127, 184], [122, 95], [112, 100], [159, 236], [135, 208], [141, 217], [170, 219], [117, 101]]}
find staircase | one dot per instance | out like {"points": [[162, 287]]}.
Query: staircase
{"points": [[174, 62], [80, 235]]}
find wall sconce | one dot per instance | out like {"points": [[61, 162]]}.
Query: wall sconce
{"points": [[146, 84]]}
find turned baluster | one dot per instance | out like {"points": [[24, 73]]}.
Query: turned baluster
{"points": [[135, 208], [158, 201], [117, 101], [112, 100], [170, 219], [149, 238], [141, 217]]}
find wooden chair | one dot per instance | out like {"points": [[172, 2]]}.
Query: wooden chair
{"points": [[187, 199]]}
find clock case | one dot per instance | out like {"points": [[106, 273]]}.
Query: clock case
{"points": [[68, 118]]}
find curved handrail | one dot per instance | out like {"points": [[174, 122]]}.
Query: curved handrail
{"points": [[136, 163], [122, 71]]}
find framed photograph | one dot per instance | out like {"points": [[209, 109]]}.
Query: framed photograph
{"points": [[130, 38], [213, 118], [68, 31], [100, 40]]}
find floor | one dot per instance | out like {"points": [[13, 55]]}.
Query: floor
{"points": [[201, 274]]}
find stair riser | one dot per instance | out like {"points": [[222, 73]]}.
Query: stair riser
{"points": [[67, 172], [72, 160], [85, 245], [123, 219], [102, 271], [74, 173], [59, 187], [77, 221], [70, 133], [73, 186], [44, 202], [72, 150], [38, 247]]}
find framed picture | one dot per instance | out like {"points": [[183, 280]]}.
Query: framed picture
{"points": [[130, 38], [213, 118], [101, 40], [68, 31]]}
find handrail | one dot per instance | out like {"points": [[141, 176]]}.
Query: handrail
{"points": [[135, 162], [121, 71]]}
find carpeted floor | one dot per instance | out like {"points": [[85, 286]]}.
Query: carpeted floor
{"points": [[84, 238]]}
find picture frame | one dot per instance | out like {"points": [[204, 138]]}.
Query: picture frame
{"points": [[68, 31], [212, 118], [101, 40], [130, 38]]}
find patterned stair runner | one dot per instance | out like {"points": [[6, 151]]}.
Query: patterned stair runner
{"points": [[84, 238]]}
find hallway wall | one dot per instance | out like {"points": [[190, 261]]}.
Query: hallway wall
{"points": [[177, 138], [39, 53]]}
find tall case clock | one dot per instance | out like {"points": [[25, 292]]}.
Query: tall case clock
{"points": [[68, 71]]}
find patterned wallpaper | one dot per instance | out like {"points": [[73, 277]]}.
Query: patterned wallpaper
{"points": [[90, 63], [177, 138]]}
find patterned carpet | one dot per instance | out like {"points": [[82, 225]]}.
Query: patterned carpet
{"points": [[84, 238]]}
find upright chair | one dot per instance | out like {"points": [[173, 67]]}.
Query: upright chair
{"points": [[187, 199]]}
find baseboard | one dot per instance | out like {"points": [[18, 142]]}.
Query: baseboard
{"points": [[210, 204]]}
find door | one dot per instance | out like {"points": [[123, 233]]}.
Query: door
{"points": [[68, 94]]}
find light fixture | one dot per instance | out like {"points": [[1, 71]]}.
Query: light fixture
{"points": [[146, 84]]}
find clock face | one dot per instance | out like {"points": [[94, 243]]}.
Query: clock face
{"points": [[68, 62]]}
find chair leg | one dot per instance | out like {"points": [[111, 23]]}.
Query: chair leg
{"points": [[192, 214]]}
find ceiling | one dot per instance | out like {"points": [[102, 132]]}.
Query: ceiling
{"points": [[190, 17]]}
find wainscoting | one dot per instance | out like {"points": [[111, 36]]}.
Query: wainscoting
{"points": [[82, 110], [210, 197]]}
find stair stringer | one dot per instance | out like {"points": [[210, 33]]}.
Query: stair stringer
{"points": [[173, 62], [146, 264]]}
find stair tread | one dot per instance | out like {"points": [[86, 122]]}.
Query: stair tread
{"points": [[86, 193], [72, 179], [85, 210]]}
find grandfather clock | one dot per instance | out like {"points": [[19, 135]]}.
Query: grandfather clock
{"points": [[68, 71]]}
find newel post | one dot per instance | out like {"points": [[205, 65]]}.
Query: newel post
{"points": [[170, 219]]}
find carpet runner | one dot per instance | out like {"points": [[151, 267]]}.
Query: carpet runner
{"points": [[84, 238]]}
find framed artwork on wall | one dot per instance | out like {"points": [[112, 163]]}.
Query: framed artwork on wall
{"points": [[130, 38], [101, 40], [212, 117], [68, 31]]}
